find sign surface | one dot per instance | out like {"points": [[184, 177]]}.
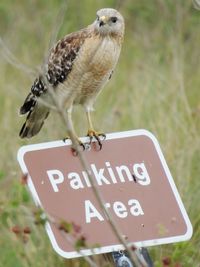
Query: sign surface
{"points": [[132, 175]]}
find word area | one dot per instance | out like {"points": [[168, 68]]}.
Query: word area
{"points": [[118, 207]]}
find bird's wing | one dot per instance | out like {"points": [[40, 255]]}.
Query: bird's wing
{"points": [[62, 56], [59, 65]]}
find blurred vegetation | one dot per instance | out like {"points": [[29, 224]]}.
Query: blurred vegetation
{"points": [[155, 86]]}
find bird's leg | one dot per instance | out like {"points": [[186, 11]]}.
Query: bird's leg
{"points": [[71, 130], [92, 133]]}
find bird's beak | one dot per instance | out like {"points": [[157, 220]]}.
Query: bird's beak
{"points": [[103, 20]]}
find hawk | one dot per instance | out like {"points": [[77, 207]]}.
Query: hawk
{"points": [[78, 67]]}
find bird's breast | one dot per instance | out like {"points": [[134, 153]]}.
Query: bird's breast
{"points": [[99, 57], [92, 68]]}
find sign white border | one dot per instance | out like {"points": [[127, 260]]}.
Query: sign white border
{"points": [[106, 249]]}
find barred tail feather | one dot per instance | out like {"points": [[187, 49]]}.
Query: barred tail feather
{"points": [[34, 122]]}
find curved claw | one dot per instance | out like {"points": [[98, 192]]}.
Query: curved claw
{"points": [[98, 141], [65, 139], [93, 134], [103, 136], [75, 152], [85, 147]]}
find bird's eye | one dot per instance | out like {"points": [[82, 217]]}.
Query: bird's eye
{"points": [[97, 18], [113, 19]]}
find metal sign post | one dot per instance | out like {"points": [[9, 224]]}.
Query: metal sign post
{"points": [[121, 258], [132, 176]]}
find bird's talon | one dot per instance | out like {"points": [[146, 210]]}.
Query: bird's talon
{"points": [[92, 134], [83, 146], [98, 141], [100, 145], [103, 136], [65, 139]]}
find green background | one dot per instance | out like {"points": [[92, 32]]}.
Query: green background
{"points": [[156, 86]]}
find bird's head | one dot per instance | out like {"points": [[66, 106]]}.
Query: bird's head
{"points": [[109, 22]]}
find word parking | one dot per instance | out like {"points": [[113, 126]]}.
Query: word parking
{"points": [[103, 176]]}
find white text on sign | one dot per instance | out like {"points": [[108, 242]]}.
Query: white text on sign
{"points": [[118, 207], [104, 176]]}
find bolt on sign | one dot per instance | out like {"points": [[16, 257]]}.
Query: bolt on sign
{"points": [[134, 180]]}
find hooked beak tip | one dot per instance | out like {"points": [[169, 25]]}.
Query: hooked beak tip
{"points": [[103, 20], [101, 23]]}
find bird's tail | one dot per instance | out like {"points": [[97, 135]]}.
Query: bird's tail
{"points": [[34, 121]]}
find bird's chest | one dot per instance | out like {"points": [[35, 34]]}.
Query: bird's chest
{"points": [[99, 58], [102, 57]]}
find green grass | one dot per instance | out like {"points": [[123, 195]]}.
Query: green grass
{"points": [[155, 86]]}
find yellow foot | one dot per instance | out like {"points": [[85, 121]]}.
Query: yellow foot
{"points": [[96, 135]]}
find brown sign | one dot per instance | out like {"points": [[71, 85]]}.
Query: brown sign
{"points": [[134, 180]]}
